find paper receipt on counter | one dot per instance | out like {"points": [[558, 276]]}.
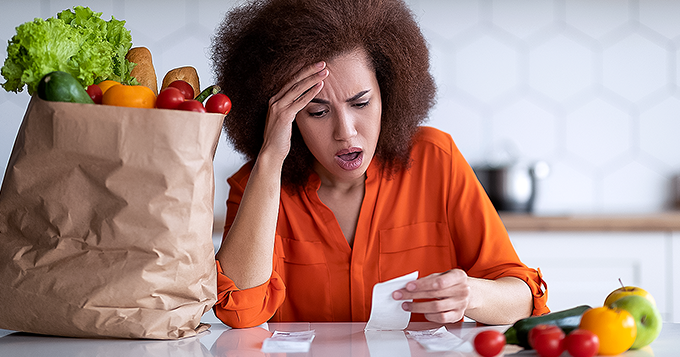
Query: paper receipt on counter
{"points": [[440, 339], [288, 342], [386, 313]]}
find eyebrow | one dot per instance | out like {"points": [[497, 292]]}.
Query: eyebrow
{"points": [[353, 98]]}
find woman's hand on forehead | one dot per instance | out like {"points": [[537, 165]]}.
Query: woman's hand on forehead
{"points": [[284, 106]]}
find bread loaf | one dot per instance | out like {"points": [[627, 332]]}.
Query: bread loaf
{"points": [[187, 74], [144, 71]]}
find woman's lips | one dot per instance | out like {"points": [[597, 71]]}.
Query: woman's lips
{"points": [[349, 159]]}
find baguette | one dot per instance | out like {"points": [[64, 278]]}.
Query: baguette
{"points": [[144, 71], [187, 74]]}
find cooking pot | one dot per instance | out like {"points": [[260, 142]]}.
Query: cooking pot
{"points": [[512, 187], [676, 191]]}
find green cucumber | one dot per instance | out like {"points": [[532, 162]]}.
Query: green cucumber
{"points": [[60, 86], [568, 320]]}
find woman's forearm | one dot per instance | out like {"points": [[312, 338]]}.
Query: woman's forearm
{"points": [[246, 253], [499, 302]]}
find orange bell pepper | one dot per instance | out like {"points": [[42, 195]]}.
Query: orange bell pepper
{"points": [[105, 85], [130, 96]]}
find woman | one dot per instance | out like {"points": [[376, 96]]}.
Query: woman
{"points": [[344, 188]]}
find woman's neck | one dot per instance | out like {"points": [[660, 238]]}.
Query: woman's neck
{"points": [[331, 183]]}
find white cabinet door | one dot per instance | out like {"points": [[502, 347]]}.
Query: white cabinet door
{"points": [[583, 268]]}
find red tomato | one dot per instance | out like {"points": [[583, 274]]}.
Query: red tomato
{"points": [[489, 343], [582, 343], [218, 103], [185, 87], [547, 340], [95, 93], [169, 98], [192, 106]]}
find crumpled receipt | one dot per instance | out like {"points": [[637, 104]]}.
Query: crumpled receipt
{"points": [[386, 313]]}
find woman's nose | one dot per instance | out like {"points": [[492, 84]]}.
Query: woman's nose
{"points": [[345, 128]]}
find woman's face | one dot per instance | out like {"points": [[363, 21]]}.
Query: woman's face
{"points": [[341, 125]]}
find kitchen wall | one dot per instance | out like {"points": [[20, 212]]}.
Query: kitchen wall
{"points": [[590, 87]]}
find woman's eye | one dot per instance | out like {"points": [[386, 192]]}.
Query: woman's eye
{"points": [[361, 105], [318, 114]]}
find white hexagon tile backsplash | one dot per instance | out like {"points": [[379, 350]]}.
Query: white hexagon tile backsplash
{"points": [[591, 87]]}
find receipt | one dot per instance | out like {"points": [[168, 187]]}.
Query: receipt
{"points": [[386, 313], [440, 339], [288, 342]]}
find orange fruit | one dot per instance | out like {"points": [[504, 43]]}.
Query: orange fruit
{"points": [[614, 328]]}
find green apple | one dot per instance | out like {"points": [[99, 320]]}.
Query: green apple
{"points": [[628, 290], [647, 318]]}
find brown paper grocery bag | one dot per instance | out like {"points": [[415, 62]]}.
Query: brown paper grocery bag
{"points": [[106, 222]]}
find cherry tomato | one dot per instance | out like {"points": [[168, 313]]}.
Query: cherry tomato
{"points": [[192, 106], [185, 87], [547, 340], [489, 343], [615, 329], [95, 93], [169, 98], [218, 103], [582, 343]]}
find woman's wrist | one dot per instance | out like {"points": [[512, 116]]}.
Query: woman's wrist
{"points": [[268, 163], [500, 301], [473, 300]]}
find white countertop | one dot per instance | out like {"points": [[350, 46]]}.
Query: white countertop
{"points": [[332, 339]]}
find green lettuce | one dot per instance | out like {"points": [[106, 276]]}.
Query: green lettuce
{"points": [[76, 41]]}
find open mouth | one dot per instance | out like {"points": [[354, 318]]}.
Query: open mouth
{"points": [[349, 159]]}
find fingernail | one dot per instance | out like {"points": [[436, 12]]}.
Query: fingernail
{"points": [[410, 287], [397, 295], [321, 64], [406, 306]]}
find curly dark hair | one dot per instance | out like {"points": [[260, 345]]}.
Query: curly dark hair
{"points": [[259, 46]]}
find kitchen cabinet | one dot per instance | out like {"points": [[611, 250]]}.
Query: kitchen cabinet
{"points": [[583, 261]]}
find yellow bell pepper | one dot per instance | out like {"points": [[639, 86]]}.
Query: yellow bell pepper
{"points": [[130, 96]]}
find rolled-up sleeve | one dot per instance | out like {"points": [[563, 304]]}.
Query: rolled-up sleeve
{"points": [[249, 307]]}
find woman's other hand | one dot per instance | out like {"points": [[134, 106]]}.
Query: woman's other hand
{"points": [[447, 296], [284, 106]]}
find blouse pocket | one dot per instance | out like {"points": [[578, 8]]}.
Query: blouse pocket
{"points": [[425, 247], [307, 280]]}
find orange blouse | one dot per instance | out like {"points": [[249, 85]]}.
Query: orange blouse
{"points": [[433, 217]]}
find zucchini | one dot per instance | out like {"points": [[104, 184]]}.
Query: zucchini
{"points": [[568, 320], [60, 86], [213, 89]]}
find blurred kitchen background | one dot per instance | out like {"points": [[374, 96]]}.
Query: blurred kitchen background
{"points": [[588, 86]]}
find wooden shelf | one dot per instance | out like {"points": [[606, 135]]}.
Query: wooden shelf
{"points": [[663, 221]]}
